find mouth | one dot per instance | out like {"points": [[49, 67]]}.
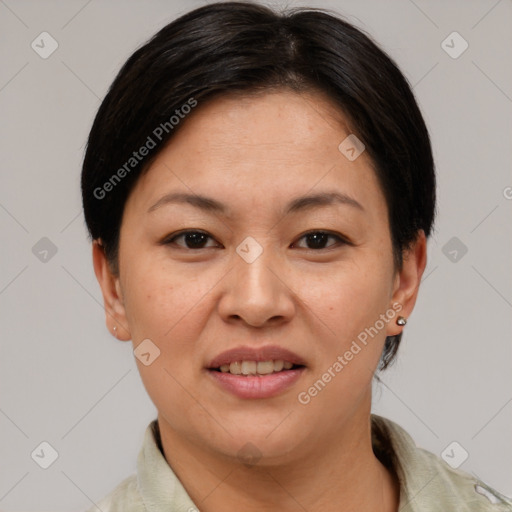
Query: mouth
{"points": [[256, 373], [258, 368]]}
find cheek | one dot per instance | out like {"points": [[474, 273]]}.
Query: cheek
{"points": [[167, 307], [350, 298], [165, 304], [349, 338]]}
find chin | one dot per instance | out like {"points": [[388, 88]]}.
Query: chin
{"points": [[257, 443]]}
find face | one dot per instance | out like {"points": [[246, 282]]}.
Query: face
{"points": [[253, 239]]}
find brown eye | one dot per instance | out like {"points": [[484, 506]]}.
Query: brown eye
{"points": [[318, 239], [192, 239]]}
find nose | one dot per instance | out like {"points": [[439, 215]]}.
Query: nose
{"points": [[257, 293]]}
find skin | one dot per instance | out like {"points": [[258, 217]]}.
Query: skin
{"points": [[255, 154]]}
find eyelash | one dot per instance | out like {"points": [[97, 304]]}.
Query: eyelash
{"points": [[341, 240]]}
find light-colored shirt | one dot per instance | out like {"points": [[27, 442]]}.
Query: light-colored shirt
{"points": [[427, 482]]}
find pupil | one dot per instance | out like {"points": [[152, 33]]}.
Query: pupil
{"points": [[318, 240], [195, 239]]}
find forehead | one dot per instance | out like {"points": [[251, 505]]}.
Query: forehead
{"points": [[266, 125], [261, 146]]}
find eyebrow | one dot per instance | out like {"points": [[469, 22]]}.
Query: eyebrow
{"points": [[301, 203]]}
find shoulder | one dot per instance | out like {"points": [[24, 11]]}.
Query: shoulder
{"points": [[455, 485], [124, 498], [427, 482], [155, 486]]}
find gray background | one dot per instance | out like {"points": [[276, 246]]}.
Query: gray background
{"points": [[66, 381]]}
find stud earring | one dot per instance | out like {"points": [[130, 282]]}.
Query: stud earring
{"points": [[401, 320], [115, 330]]}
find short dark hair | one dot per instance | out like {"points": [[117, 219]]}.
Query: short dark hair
{"points": [[231, 48]]}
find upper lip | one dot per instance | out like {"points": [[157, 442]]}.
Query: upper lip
{"points": [[244, 353]]}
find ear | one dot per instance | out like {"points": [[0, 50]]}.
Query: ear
{"points": [[407, 281], [115, 314]]}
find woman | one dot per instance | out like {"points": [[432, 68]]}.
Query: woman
{"points": [[259, 189]]}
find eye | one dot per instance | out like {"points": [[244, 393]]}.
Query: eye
{"points": [[192, 239], [318, 239]]}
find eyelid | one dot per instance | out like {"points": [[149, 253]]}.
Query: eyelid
{"points": [[341, 239], [170, 238]]}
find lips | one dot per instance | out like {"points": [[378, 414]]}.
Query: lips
{"points": [[262, 354], [251, 373]]}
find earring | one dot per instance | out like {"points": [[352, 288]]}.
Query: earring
{"points": [[401, 320], [115, 330]]}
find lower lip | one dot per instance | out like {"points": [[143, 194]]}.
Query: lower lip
{"points": [[254, 386]]}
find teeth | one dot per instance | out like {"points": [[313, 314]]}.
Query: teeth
{"points": [[256, 367], [235, 368], [265, 367], [249, 367]]}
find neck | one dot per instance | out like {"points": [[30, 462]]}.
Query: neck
{"points": [[340, 474]]}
